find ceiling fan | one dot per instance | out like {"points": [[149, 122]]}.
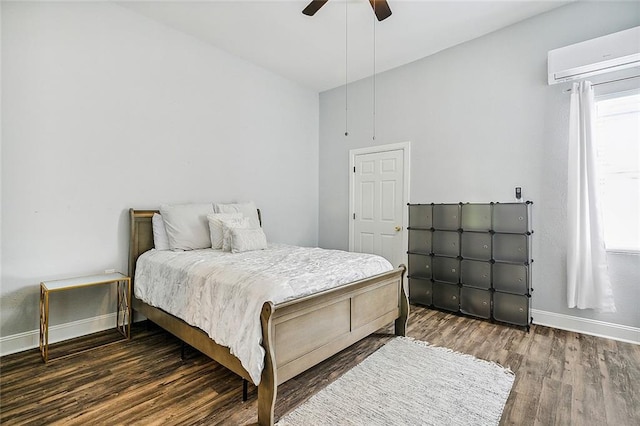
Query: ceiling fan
{"points": [[380, 8]]}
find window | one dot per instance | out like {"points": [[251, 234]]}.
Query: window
{"points": [[618, 150]]}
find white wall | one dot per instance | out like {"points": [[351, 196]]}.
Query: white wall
{"points": [[103, 110], [482, 120]]}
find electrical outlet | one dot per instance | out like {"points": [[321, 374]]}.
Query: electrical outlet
{"points": [[109, 271]]}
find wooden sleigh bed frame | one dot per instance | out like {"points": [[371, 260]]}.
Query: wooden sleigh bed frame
{"points": [[297, 334]]}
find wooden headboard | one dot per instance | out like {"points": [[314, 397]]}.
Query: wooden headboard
{"points": [[141, 235]]}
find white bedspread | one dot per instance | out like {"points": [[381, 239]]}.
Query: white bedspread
{"points": [[223, 293]]}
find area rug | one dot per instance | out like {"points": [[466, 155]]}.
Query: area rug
{"points": [[409, 382]]}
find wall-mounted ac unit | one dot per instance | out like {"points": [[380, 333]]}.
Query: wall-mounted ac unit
{"points": [[597, 56]]}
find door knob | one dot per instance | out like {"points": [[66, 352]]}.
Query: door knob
{"points": [[398, 228]]}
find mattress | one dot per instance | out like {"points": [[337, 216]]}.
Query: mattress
{"points": [[222, 293]]}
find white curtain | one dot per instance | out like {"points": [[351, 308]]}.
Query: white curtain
{"points": [[588, 284]]}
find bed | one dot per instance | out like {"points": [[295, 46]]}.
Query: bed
{"points": [[296, 334]]}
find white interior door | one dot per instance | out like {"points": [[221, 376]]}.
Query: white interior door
{"points": [[378, 204]]}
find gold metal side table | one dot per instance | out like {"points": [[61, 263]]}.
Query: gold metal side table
{"points": [[123, 314]]}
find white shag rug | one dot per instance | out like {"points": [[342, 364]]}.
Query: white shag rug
{"points": [[409, 382]]}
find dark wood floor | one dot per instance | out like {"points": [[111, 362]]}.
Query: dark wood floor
{"points": [[562, 378]]}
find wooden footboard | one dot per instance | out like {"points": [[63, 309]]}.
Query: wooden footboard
{"points": [[304, 332], [297, 334]]}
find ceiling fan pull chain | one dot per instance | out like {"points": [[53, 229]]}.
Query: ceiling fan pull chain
{"points": [[346, 68], [374, 74]]}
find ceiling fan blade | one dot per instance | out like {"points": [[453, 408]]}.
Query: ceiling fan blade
{"points": [[313, 7], [381, 9]]}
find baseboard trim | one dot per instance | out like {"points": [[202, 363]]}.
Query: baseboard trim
{"points": [[57, 333], [622, 333]]}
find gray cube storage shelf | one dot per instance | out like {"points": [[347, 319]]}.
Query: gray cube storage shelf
{"points": [[473, 259]]}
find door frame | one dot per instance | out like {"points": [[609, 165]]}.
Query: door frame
{"points": [[405, 147]]}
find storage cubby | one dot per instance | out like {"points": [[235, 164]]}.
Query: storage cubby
{"points": [[446, 243], [472, 258], [510, 247], [476, 217], [420, 265], [475, 302], [474, 273], [446, 296], [511, 217], [446, 269], [420, 241], [476, 245], [510, 278], [420, 215], [511, 308], [421, 291], [446, 216]]}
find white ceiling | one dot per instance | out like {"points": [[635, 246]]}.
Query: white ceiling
{"points": [[324, 51]]}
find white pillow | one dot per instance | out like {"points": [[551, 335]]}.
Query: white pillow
{"points": [[215, 227], [248, 209], [229, 224], [187, 225], [160, 238], [247, 239]]}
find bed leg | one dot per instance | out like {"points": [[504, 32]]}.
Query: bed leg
{"points": [[245, 392], [403, 319], [268, 387], [182, 352]]}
